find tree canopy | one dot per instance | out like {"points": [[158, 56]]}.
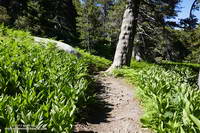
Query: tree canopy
{"points": [[94, 25]]}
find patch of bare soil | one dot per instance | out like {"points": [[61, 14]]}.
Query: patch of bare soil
{"points": [[117, 111]]}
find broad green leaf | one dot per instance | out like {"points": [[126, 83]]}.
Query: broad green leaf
{"points": [[195, 120]]}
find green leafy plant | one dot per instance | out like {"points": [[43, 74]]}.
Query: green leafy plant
{"points": [[40, 87], [168, 93], [95, 63]]}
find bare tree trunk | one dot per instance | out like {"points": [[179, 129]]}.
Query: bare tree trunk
{"points": [[136, 54], [198, 82], [124, 48]]}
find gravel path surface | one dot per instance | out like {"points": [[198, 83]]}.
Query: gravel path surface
{"points": [[118, 110]]}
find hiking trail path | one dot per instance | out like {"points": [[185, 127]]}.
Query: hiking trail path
{"points": [[118, 110]]}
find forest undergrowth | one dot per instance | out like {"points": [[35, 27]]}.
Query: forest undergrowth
{"points": [[168, 93], [42, 87], [45, 88]]}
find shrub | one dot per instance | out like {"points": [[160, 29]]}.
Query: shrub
{"points": [[169, 95], [39, 86], [95, 63]]}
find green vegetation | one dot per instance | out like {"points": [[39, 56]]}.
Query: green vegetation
{"points": [[44, 18], [94, 25], [168, 93], [44, 87], [40, 86], [95, 63]]}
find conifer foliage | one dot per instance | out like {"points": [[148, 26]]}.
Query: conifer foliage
{"points": [[43, 17], [91, 20]]}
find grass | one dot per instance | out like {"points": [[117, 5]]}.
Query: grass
{"points": [[40, 86], [168, 93]]}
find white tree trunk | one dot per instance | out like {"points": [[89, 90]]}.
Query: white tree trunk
{"points": [[198, 82], [124, 48], [136, 54]]}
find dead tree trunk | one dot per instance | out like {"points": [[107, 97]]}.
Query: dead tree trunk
{"points": [[124, 48], [198, 82]]}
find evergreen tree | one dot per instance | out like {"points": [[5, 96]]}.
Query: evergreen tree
{"points": [[44, 17], [4, 17], [113, 23], [131, 17], [152, 34], [104, 43], [15, 8], [88, 23], [91, 25]]}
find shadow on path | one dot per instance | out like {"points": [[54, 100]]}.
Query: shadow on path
{"points": [[97, 110], [115, 109]]}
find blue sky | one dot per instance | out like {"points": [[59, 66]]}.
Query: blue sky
{"points": [[185, 10]]}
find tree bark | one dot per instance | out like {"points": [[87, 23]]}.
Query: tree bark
{"points": [[136, 54], [198, 82], [124, 48]]}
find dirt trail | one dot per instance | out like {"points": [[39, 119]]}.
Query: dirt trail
{"points": [[118, 110]]}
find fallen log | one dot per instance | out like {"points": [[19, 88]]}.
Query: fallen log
{"points": [[60, 45]]}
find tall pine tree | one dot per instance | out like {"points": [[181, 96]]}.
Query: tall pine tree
{"points": [[45, 18], [130, 23], [91, 19]]}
